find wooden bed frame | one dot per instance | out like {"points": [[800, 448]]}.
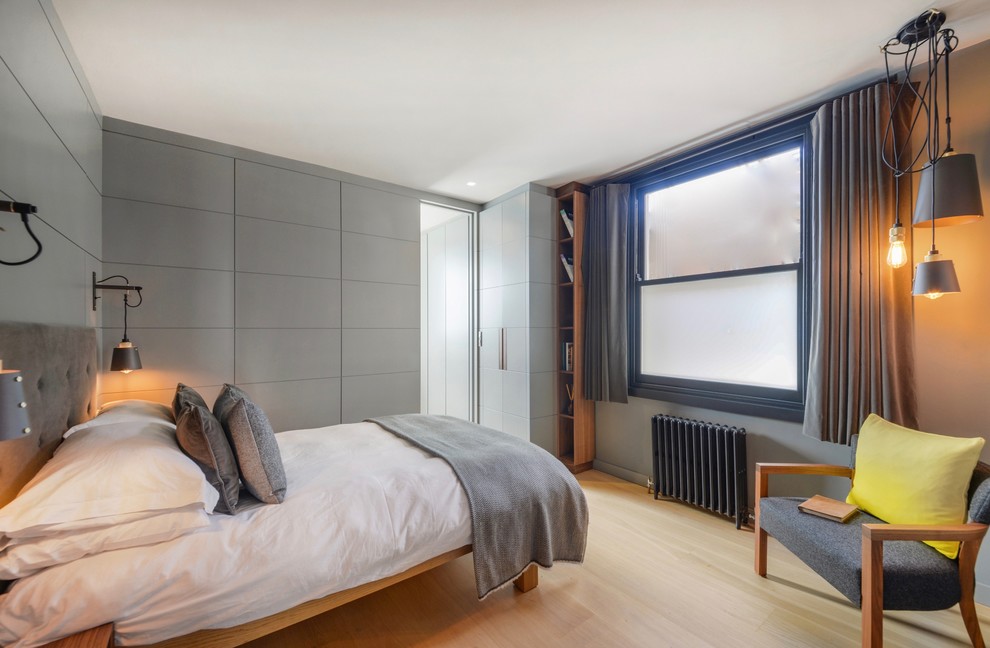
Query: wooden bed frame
{"points": [[59, 365], [102, 637]]}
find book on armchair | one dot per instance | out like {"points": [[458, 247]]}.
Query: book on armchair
{"points": [[828, 508]]}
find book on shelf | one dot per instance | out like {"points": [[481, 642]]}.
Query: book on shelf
{"points": [[568, 266], [828, 508], [568, 221], [567, 356]]}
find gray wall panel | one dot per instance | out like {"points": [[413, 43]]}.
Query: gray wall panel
{"points": [[188, 355], [543, 216], [370, 211], [54, 288], [542, 432], [272, 301], [32, 51], [141, 169], [379, 351], [163, 396], [270, 355], [111, 124], [379, 305], [374, 258], [366, 396], [173, 298], [35, 167], [298, 404], [149, 234], [278, 194], [283, 248], [46, 150]]}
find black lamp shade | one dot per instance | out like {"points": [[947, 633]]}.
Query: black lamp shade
{"points": [[14, 422], [935, 278], [125, 358], [957, 192]]}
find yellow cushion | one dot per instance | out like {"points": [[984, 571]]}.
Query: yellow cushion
{"points": [[904, 476]]}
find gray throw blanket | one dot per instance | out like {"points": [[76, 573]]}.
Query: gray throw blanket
{"points": [[525, 506]]}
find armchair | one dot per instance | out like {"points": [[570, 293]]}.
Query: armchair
{"points": [[903, 574]]}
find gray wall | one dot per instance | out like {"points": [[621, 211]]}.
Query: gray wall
{"points": [[297, 282], [50, 155]]}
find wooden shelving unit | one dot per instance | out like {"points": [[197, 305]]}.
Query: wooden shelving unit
{"points": [[575, 416]]}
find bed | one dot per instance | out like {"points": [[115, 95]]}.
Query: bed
{"points": [[364, 508]]}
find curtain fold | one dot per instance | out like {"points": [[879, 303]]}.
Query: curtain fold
{"points": [[861, 328], [605, 276]]}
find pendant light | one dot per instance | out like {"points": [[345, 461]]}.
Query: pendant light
{"points": [[949, 189], [125, 357]]}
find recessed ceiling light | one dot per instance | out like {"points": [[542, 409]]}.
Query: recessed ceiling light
{"points": [[472, 183]]}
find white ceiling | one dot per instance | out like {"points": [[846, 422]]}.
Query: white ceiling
{"points": [[433, 94]]}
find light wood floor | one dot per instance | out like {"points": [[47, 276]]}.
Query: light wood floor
{"points": [[655, 574]]}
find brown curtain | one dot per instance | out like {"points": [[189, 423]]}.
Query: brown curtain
{"points": [[862, 343]]}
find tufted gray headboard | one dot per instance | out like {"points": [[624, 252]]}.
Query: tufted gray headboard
{"points": [[59, 368]]}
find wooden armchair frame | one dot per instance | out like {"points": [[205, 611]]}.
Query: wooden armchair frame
{"points": [[969, 535]]}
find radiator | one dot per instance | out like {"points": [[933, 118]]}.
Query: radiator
{"points": [[700, 463]]}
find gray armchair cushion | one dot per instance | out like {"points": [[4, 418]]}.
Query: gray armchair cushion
{"points": [[979, 500], [916, 577]]}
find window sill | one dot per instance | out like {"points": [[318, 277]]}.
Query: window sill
{"points": [[763, 407]]}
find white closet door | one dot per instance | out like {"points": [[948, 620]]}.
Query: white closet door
{"points": [[446, 338], [459, 347], [436, 332]]}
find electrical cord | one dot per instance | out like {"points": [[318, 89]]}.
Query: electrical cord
{"points": [[24, 209]]}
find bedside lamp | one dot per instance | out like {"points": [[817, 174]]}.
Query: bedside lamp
{"points": [[125, 358], [14, 422]]}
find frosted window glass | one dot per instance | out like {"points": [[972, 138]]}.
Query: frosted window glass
{"points": [[734, 330], [747, 216]]}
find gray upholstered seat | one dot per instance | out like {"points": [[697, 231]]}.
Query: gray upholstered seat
{"points": [[915, 576]]}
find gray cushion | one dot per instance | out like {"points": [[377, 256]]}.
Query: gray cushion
{"points": [[257, 452], [229, 395], [185, 395], [915, 576], [202, 438]]}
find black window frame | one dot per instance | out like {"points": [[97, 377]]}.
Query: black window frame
{"points": [[767, 402]]}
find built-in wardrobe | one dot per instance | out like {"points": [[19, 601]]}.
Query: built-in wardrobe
{"points": [[516, 292]]}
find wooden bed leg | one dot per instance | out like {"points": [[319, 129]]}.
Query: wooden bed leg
{"points": [[528, 580]]}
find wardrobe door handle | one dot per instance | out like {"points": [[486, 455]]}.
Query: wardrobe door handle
{"points": [[501, 349]]}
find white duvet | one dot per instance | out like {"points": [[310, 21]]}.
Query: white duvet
{"points": [[360, 505]]}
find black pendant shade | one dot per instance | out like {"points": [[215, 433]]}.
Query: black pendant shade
{"points": [[957, 192], [125, 357], [935, 277]]}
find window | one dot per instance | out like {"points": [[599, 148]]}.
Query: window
{"points": [[719, 294]]}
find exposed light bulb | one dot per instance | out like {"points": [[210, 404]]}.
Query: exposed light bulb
{"points": [[897, 254], [933, 295]]}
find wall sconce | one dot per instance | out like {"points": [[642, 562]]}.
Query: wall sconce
{"points": [[949, 188], [24, 209], [125, 356], [14, 422]]}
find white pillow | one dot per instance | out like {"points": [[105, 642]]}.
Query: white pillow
{"points": [[106, 474], [25, 556], [126, 411]]}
